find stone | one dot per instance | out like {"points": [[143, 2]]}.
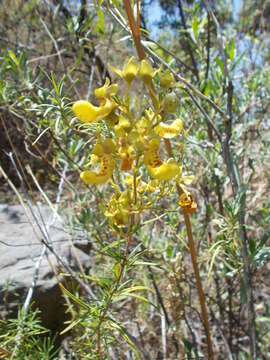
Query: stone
{"points": [[19, 252]]}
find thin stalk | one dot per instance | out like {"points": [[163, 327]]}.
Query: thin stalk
{"points": [[199, 286], [136, 34]]}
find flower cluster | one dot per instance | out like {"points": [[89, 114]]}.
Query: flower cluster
{"points": [[133, 148]]}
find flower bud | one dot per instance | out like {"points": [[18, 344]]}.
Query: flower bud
{"points": [[108, 146], [170, 103], [119, 131], [124, 123], [166, 79], [146, 72], [98, 150], [130, 70]]}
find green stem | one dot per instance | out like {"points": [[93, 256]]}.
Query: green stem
{"points": [[115, 288]]}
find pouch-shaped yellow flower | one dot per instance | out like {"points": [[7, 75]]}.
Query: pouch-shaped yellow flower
{"points": [[104, 174], [156, 167], [102, 152], [108, 146], [169, 131], [87, 112], [152, 159], [165, 172]]}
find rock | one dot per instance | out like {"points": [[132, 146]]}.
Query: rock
{"points": [[20, 250]]}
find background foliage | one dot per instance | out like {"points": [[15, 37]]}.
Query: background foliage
{"points": [[56, 52]]}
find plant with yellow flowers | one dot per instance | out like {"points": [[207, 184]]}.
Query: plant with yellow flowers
{"points": [[128, 162], [132, 152]]}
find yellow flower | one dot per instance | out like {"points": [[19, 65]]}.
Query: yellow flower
{"points": [[106, 146], [143, 126], [98, 150], [140, 134], [106, 91], [156, 167], [146, 72], [94, 159], [130, 70], [151, 157], [169, 131], [104, 174], [151, 186], [165, 172], [187, 203], [101, 152], [117, 209], [89, 113], [119, 131]]}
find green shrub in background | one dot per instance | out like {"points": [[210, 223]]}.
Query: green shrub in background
{"points": [[34, 342]]}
